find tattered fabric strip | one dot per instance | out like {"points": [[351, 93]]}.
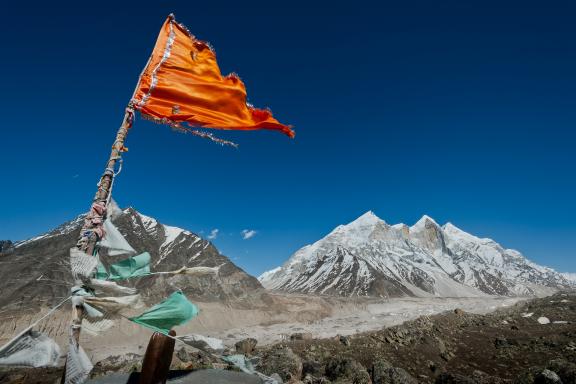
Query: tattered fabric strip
{"points": [[82, 264], [165, 56], [78, 365], [178, 127], [32, 349]]}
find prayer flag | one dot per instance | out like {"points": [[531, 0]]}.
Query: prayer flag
{"points": [[175, 310], [182, 83]]}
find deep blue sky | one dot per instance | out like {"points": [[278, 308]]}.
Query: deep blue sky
{"points": [[464, 111]]}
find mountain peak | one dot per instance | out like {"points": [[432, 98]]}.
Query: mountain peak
{"points": [[420, 224], [449, 227], [368, 218]]}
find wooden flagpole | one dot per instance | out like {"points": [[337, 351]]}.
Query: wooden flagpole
{"points": [[88, 238], [92, 229]]}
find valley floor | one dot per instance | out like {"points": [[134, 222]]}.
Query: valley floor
{"points": [[350, 316], [319, 316]]}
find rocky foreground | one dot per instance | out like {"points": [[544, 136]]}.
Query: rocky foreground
{"points": [[530, 342]]}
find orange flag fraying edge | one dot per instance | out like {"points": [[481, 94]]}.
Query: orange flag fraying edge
{"points": [[182, 83]]}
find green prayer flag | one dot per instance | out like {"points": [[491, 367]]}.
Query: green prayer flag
{"points": [[135, 266], [138, 265], [101, 273], [175, 310]]}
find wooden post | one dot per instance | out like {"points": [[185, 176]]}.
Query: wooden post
{"points": [[94, 222], [157, 360]]}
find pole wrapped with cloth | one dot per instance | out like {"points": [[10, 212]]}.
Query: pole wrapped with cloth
{"points": [[182, 83]]}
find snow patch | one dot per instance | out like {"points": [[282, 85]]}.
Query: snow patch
{"points": [[543, 320]]}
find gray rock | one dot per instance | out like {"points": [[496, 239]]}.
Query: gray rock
{"points": [[345, 340], [246, 346], [459, 311], [346, 370], [283, 361], [313, 368], [447, 355], [380, 371], [442, 346], [547, 376], [565, 369], [183, 355], [384, 373]]}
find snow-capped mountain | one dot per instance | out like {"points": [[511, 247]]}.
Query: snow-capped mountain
{"points": [[369, 257], [36, 272], [570, 276]]}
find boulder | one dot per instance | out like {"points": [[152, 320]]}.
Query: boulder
{"points": [[246, 346], [346, 370], [547, 376], [313, 368], [527, 377], [283, 361], [536, 375], [384, 373], [447, 355], [183, 355], [345, 340], [565, 369], [379, 371]]}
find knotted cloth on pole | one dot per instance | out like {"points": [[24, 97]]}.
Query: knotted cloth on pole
{"points": [[182, 83]]}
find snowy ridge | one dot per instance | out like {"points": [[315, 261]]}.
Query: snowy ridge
{"points": [[63, 229], [570, 276], [368, 257]]}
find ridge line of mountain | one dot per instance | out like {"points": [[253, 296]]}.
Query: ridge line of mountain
{"points": [[369, 257]]}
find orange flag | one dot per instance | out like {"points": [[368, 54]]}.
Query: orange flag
{"points": [[182, 83]]}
